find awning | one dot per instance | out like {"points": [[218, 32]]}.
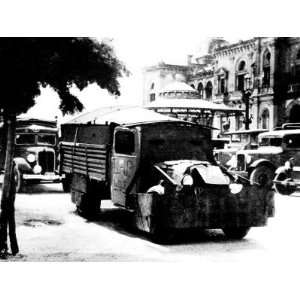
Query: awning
{"points": [[188, 104]]}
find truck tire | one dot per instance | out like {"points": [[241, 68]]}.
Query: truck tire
{"points": [[66, 183], [89, 205], [19, 182], [263, 176], [162, 236], [236, 233], [281, 189]]}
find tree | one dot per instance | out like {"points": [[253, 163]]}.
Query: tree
{"points": [[27, 64]]}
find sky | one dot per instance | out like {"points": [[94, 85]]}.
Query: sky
{"points": [[143, 33]]}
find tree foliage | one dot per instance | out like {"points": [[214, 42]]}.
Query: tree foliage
{"points": [[27, 65]]}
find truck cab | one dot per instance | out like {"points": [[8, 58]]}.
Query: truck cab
{"points": [[35, 156]]}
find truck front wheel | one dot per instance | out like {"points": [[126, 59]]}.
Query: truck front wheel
{"points": [[262, 176], [236, 233], [283, 189], [66, 183], [18, 179]]}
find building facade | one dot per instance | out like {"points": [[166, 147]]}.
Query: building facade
{"points": [[267, 69]]}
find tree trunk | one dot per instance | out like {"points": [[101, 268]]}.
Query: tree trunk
{"points": [[7, 216]]}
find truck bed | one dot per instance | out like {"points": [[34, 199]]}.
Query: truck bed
{"points": [[86, 159]]}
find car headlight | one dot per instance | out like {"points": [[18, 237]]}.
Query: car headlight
{"points": [[37, 169], [187, 180], [248, 159], [31, 157]]}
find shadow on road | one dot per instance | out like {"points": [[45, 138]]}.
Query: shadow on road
{"points": [[53, 188], [122, 221]]}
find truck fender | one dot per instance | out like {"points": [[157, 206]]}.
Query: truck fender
{"points": [[22, 164], [281, 169], [261, 162]]}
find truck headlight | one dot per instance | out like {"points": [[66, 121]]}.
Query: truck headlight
{"points": [[235, 188], [187, 180], [37, 169], [31, 158]]}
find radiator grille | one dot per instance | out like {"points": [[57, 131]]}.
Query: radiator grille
{"points": [[46, 161]]}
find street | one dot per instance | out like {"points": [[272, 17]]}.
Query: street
{"points": [[49, 229]]}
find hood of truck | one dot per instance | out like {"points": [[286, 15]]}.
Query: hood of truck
{"points": [[263, 150], [211, 174]]}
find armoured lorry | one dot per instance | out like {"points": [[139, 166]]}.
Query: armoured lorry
{"points": [[35, 156], [160, 169]]}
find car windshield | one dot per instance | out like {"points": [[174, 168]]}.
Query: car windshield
{"points": [[48, 139], [271, 141], [28, 139]]}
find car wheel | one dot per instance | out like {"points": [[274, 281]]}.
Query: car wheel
{"points": [[263, 176], [236, 233], [280, 188]]}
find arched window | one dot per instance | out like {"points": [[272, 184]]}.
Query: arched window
{"points": [[208, 90], [240, 78], [265, 119], [266, 68], [241, 66], [200, 90], [152, 86]]}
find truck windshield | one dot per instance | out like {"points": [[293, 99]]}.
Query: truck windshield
{"points": [[271, 141], [48, 139], [25, 139]]}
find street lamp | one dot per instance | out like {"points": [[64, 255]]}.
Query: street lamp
{"points": [[246, 94]]}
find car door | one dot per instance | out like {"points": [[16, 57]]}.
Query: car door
{"points": [[124, 163]]}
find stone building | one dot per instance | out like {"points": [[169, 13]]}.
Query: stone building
{"points": [[267, 68]]}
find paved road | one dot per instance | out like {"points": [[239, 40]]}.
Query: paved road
{"points": [[50, 230]]}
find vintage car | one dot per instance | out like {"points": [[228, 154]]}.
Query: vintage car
{"points": [[238, 140], [161, 170], [275, 148], [35, 152]]}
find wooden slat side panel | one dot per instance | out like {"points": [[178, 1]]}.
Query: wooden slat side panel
{"points": [[86, 159]]}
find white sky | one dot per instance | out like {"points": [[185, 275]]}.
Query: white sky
{"points": [[143, 33]]}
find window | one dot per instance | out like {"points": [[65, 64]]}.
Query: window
{"points": [[271, 141], [240, 82], [266, 68], [240, 77], [25, 139], [242, 65], [48, 139], [221, 85], [265, 117], [208, 90], [124, 142], [200, 90], [152, 97]]}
